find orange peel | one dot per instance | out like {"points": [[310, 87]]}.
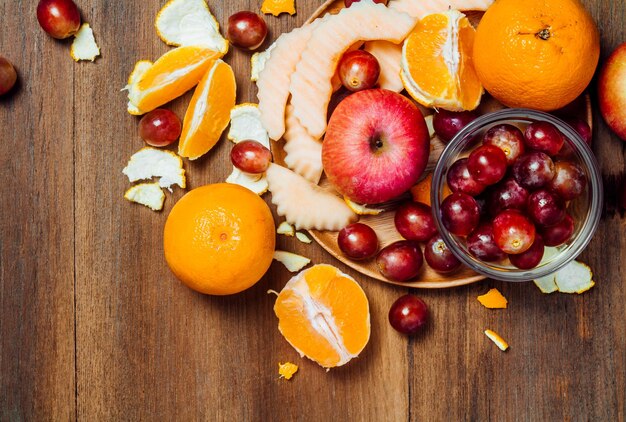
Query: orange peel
{"points": [[84, 46], [493, 299], [287, 370], [499, 341], [148, 194], [276, 7], [286, 229], [152, 162]]}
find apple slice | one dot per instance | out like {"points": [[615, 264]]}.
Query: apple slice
{"points": [[305, 205], [303, 152], [311, 86]]}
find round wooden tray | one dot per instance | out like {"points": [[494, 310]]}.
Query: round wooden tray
{"points": [[383, 223]]}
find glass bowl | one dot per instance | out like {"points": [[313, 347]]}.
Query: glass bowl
{"points": [[585, 209]]}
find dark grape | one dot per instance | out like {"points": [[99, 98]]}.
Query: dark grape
{"points": [[408, 314], [246, 30], [558, 233], [251, 157], [508, 138], [159, 127], [460, 214], [439, 257], [569, 180], [59, 18], [448, 123], [487, 164], [545, 207], [481, 244], [513, 232], [582, 127], [415, 221], [358, 70], [544, 137], [507, 194], [358, 241], [400, 261], [8, 76], [531, 257], [460, 180], [533, 170]]}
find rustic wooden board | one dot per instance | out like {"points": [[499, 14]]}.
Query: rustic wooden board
{"points": [[94, 327]]}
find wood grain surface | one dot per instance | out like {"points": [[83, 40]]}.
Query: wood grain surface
{"points": [[93, 326]]}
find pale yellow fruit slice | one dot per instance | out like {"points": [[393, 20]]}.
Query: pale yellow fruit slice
{"points": [[84, 46], [575, 277], [287, 370], [303, 152], [304, 204], [389, 56], [274, 79], [420, 8], [245, 124], [148, 194], [151, 162], [430, 125], [286, 229], [361, 209], [189, 22], [257, 183], [257, 62], [141, 67], [303, 237], [493, 299], [499, 341], [311, 86], [293, 262]]}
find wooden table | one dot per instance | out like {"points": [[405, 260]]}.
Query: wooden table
{"points": [[93, 326]]}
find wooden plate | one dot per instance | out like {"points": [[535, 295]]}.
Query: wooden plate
{"points": [[383, 223]]}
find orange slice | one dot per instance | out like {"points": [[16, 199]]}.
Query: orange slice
{"points": [[437, 68], [208, 113], [276, 7], [173, 74], [324, 314]]}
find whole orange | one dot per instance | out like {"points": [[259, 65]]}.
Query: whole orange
{"points": [[539, 54], [219, 239]]}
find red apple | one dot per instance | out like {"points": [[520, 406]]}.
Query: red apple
{"points": [[376, 146], [612, 91]]}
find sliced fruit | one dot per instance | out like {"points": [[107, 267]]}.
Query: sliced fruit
{"points": [[141, 67], [575, 277], [493, 299], [389, 56], [303, 237], [303, 152], [291, 261], [361, 209], [257, 183], [245, 124], [274, 79], [311, 86], [437, 67], [257, 62], [208, 113], [305, 205], [324, 314], [84, 46], [420, 8], [173, 74], [286, 229], [149, 194], [499, 341], [276, 7], [429, 123], [152, 162], [287, 369], [189, 22]]}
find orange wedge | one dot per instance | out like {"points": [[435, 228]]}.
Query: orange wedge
{"points": [[173, 74], [324, 315], [437, 68], [208, 113]]}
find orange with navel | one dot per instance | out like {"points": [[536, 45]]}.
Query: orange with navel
{"points": [[537, 54], [219, 239]]}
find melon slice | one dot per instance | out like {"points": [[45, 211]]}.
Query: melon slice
{"points": [[389, 57], [311, 86], [420, 8], [274, 79], [303, 152], [305, 205]]}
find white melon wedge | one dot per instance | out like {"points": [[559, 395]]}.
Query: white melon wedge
{"points": [[420, 8], [389, 56], [304, 204], [303, 152]]}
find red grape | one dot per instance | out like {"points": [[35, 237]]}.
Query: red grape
{"points": [[358, 241], [251, 157], [160, 127], [439, 257], [544, 137], [246, 30], [531, 257], [545, 207], [59, 18], [415, 221], [513, 232], [358, 70], [569, 180], [507, 195], [348, 3], [508, 138], [487, 164], [482, 245], [460, 214], [8, 76], [400, 261], [408, 314], [558, 233], [582, 127], [460, 180], [533, 170], [448, 123]]}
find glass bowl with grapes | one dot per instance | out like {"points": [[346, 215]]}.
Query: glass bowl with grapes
{"points": [[517, 194]]}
